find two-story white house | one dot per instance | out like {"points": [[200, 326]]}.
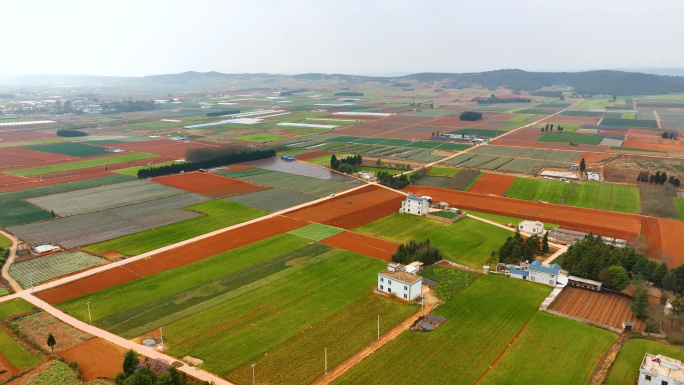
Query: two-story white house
{"points": [[532, 227], [396, 280], [660, 370], [543, 273], [415, 205]]}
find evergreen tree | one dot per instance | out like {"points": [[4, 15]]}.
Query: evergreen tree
{"points": [[640, 301], [641, 268], [334, 163], [51, 342], [545, 243], [131, 361], [618, 277], [583, 165], [658, 275]]}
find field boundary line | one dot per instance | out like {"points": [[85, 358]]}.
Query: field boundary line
{"points": [[113, 338], [371, 348], [496, 361], [75, 277], [10, 259], [607, 360]]}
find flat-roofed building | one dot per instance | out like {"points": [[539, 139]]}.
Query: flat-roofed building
{"points": [[396, 280], [660, 370]]}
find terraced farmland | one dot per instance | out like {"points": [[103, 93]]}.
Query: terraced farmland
{"points": [[105, 197], [83, 229], [51, 266], [462, 349]]}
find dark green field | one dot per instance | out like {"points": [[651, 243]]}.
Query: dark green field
{"points": [[71, 149]]}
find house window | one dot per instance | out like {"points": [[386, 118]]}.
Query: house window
{"points": [[531, 278], [389, 282], [405, 287], [551, 275], [551, 282], [647, 377], [405, 296], [382, 279], [380, 287], [663, 382]]}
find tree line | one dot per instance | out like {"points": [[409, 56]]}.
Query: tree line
{"points": [[470, 116], [129, 105], [657, 178], [225, 160], [224, 112], [71, 133], [517, 249], [151, 372], [422, 105], [398, 182], [401, 85], [549, 127], [493, 99], [417, 252], [346, 165]]}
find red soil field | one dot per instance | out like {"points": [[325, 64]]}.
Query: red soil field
{"points": [[453, 123], [87, 285], [360, 117], [174, 258], [571, 120], [15, 158], [405, 119], [613, 132], [651, 146], [592, 157], [24, 136], [238, 167], [7, 180], [311, 155], [526, 133], [8, 367], [492, 184], [209, 184], [625, 226], [34, 182], [96, 358], [507, 115], [173, 149], [671, 241], [418, 132], [367, 205], [603, 308], [362, 244], [370, 129]]}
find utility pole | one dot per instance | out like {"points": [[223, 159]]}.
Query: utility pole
{"points": [[89, 317], [378, 326], [253, 376], [161, 333], [326, 360]]}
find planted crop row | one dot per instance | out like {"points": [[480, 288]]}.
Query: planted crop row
{"points": [[271, 200], [51, 266]]}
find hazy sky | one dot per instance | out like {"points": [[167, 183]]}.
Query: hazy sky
{"points": [[144, 37]]}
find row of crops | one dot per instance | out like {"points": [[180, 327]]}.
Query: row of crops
{"points": [[503, 163]]}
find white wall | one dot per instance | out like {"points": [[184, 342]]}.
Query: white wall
{"points": [[531, 228], [415, 207], [543, 277], [656, 379], [402, 290]]}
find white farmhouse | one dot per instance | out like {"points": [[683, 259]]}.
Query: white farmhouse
{"points": [[660, 370], [532, 227], [543, 273], [396, 280], [415, 205]]}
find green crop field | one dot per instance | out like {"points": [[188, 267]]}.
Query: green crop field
{"points": [[64, 187], [239, 173], [99, 162], [36, 142], [301, 184], [14, 307], [4, 241], [628, 115], [629, 122], [18, 212], [570, 357], [133, 171], [520, 118], [679, 202], [298, 361], [376, 170], [263, 138], [444, 214], [271, 200], [16, 354], [483, 319], [258, 321], [396, 142], [469, 242], [129, 295], [453, 147], [219, 214], [37, 270], [536, 189], [625, 199], [424, 144], [316, 232], [369, 140], [442, 171], [79, 150], [451, 281], [569, 137], [625, 369], [401, 228], [478, 132]]}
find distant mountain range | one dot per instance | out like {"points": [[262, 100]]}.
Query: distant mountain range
{"points": [[612, 82]]}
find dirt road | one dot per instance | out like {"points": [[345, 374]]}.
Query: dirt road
{"points": [[10, 260]]}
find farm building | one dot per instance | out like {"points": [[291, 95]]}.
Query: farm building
{"points": [[568, 237], [584, 283], [415, 205], [660, 370], [401, 281], [532, 227], [519, 273], [541, 272]]}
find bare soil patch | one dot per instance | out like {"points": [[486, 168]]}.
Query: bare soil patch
{"points": [[97, 358], [363, 244]]}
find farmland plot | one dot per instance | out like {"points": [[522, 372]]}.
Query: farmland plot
{"points": [[401, 228], [499, 150], [71, 149], [301, 184], [316, 232], [297, 361], [528, 166], [457, 160], [495, 164], [79, 165], [569, 137], [18, 212], [625, 369], [16, 354], [568, 358], [64, 187], [469, 241], [208, 184], [247, 172], [260, 320], [51, 266], [271, 200], [14, 307], [83, 229], [478, 160], [300, 168], [459, 351], [105, 197], [425, 156]]}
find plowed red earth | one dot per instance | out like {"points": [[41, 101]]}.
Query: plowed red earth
{"points": [[238, 167], [96, 358], [15, 157], [209, 184], [592, 157], [611, 224], [672, 241], [370, 129], [571, 120], [51, 179], [363, 244], [367, 205], [492, 184], [168, 148], [312, 155], [651, 146], [603, 308], [24, 136], [177, 257], [405, 119]]}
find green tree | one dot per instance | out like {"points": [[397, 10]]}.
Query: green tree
{"points": [[583, 165], [334, 163], [640, 301], [545, 243], [139, 379], [669, 282], [659, 274], [51, 342], [677, 305], [618, 277], [641, 268], [131, 361], [345, 168]]}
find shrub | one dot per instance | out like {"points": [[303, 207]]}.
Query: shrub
{"points": [[417, 251], [71, 133], [470, 116]]}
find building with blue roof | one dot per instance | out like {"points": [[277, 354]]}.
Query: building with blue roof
{"points": [[414, 205], [543, 273]]}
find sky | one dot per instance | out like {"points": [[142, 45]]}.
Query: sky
{"points": [[148, 37]]}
